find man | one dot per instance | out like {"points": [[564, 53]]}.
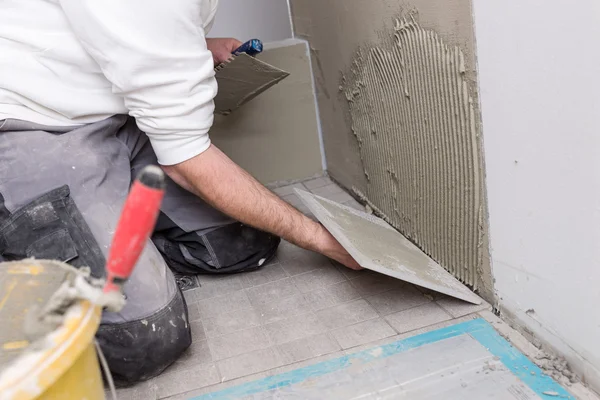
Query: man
{"points": [[91, 91]]}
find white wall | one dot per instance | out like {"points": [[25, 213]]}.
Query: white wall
{"points": [[268, 20], [539, 71]]}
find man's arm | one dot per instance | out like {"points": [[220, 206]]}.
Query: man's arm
{"points": [[223, 184], [155, 55]]}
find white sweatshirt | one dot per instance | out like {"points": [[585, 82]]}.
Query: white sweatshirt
{"points": [[72, 62]]}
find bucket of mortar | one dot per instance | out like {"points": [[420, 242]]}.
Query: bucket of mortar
{"points": [[55, 361]]}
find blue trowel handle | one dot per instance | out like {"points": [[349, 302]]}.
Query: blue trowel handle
{"points": [[252, 47]]}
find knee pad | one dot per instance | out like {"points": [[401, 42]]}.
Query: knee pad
{"points": [[50, 227], [142, 349]]}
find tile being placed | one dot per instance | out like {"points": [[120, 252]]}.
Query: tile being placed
{"points": [[351, 273], [288, 189], [458, 308], [354, 204], [295, 201], [363, 332], [369, 284], [375, 245]]}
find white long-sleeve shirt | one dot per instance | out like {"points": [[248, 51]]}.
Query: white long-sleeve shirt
{"points": [[72, 62]]}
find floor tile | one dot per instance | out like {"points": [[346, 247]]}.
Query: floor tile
{"points": [[193, 312], [294, 328], [237, 343], [397, 300], [250, 363], [347, 314], [226, 323], [311, 361], [289, 189], [332, 295], [198, 353], [217, 285], [141, 391], [327, 190], [268, 273], [418, 317], [318, 279], [352, 273], [212, 307], [309, 347], [363, 332], [296, 261], [370, 284], [197, 329], [272, 291], [190, 295], [281, 309], [176, 382], [317, 183], [297, 203], [458, 308], [333, 193]]}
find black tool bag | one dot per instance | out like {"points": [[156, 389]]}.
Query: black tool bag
{"points": [[228, 249]]}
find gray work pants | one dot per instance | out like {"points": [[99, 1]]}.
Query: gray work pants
{"points": [[98, 162]]}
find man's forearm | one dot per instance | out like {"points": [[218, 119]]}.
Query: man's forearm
{"points": [[227, 187]]}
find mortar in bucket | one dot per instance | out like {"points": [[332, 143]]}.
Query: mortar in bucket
{"points": [[50, 311]]}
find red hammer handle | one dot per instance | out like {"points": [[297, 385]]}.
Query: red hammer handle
{"points": [[135, 226]]}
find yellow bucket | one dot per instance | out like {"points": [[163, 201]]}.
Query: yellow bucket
{"points": [[61, 364]]}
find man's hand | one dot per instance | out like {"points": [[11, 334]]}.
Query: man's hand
{"points": [[221, 48], [224, 185]]}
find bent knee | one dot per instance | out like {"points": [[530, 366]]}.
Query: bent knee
{"points": [[141, 349]]}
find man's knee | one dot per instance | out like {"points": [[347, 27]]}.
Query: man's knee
{"points": [[141, 349]]}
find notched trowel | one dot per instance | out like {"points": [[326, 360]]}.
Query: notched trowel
{"points": [[244, 77]]}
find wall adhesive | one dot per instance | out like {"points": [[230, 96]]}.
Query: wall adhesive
{"points": [[413, 118]]}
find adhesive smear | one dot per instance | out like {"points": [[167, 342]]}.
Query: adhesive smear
{"points": [[415, 124]]}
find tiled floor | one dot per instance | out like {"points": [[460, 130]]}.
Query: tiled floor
{"points": [[296, 310]]}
